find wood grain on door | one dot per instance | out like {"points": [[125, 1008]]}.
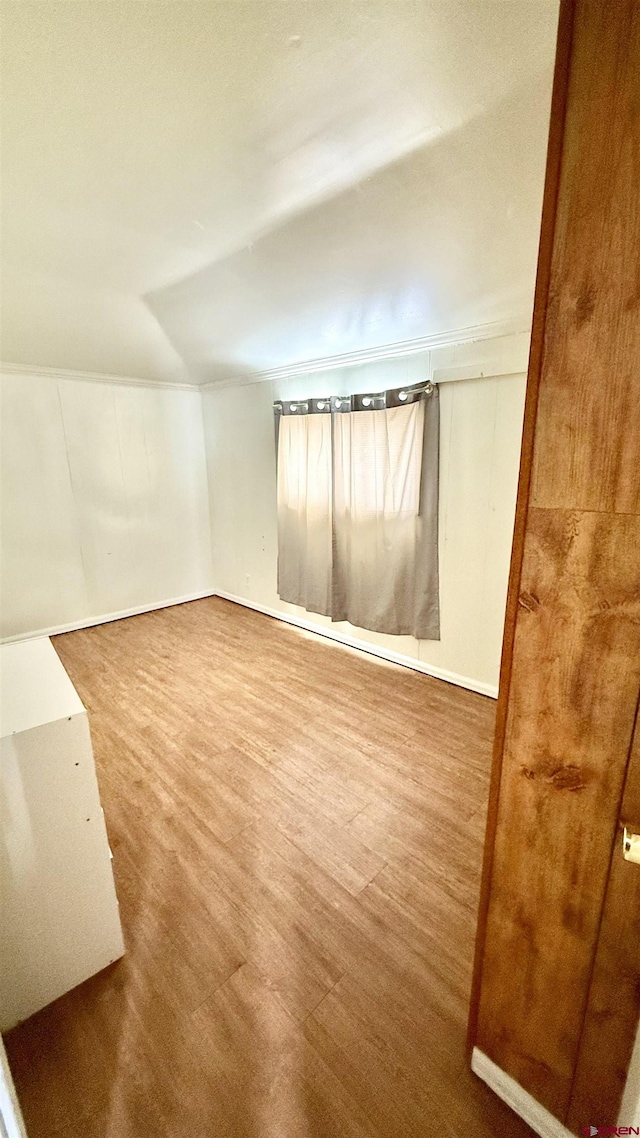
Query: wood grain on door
{"points": [[613, 1006], [571, 657]]}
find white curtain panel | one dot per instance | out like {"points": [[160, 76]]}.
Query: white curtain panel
{"points": [[304, 511], [358, 511]]}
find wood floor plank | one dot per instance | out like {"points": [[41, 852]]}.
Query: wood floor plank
{"points": [[335, 849], [297, 833]]}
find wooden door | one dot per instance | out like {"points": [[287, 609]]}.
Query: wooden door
{"points": [[552, 944], [613, 1005]]}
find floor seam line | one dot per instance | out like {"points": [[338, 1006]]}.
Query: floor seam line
{"points": [[314, 1009]]}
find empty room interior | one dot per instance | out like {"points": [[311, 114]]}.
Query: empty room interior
{"points": [[320, 608]]}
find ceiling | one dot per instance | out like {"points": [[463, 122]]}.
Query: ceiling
{"points": [[195, 191]]}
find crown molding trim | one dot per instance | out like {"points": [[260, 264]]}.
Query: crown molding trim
{"points": [[92, 377], [454, 338], [476, 332]]}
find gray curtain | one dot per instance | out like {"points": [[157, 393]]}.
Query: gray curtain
{"points": [[358, 509]]}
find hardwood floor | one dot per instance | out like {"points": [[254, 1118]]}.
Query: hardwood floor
{"points": [[297, 834]]}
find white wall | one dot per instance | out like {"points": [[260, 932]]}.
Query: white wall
{"points": [[481, 422], [104, 500], [106, 506]]}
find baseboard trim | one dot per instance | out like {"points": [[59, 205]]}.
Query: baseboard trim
{"points": [[106, 618], [490, 690], [364, 646], [515, 1096]]}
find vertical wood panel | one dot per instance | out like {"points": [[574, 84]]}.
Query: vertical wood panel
{"points": [[571, 658], [543, 276], [589, 414], [614, 996], [576, 666]]}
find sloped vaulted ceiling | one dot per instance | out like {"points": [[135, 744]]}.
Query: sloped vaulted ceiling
{"points": [[196, 191]]}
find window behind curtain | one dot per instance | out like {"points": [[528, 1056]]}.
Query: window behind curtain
{"points": [[358, 509]]}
